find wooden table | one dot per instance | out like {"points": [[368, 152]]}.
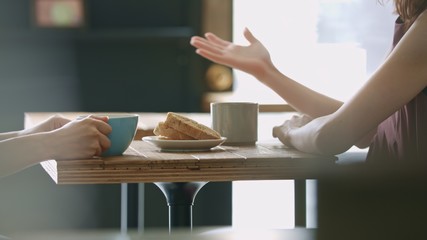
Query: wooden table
{"points": [[143, 162]]}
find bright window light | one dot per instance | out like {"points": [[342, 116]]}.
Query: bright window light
{"points": [[331, 46], [263, 204]]}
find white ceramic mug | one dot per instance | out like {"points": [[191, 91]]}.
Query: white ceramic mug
{"points": [[237, 121]]}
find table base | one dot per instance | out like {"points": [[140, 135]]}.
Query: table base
{"points": [[180, 199]]}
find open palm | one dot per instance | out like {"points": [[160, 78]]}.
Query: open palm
{"points": [[253, 59]]}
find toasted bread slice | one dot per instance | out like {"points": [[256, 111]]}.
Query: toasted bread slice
{"points": [[190, 127], [167, 132]]}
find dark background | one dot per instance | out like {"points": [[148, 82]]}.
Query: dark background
{"points": [[131, 55]]}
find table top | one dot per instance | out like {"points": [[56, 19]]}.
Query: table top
{"points": [[144, 162]]}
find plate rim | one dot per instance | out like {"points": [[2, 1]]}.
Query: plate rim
{"points": [[160, 143], [157, 138]]}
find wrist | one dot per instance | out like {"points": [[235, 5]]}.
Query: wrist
{"points": [[262, 71], [44, 148], [34, 149], [21, 133], [267, 74], [9, 135]]}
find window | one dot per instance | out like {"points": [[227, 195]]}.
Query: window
{"points": [[331, 46]]}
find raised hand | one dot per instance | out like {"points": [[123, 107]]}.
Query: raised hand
{"points": [[253, 59]]}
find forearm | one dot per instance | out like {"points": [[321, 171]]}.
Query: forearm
{"points": [[329, 135], [21, 152], [324, 136], [301, 98], [8, 135]]}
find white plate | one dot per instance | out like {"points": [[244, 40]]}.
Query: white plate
{"points": [[183, 145]]}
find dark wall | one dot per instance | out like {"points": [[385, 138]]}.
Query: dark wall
{"points": [[37, 68], [37, 73], [135, 56], [137, 59]]}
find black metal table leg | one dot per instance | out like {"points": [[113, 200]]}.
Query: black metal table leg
{"points": [[300, 203], [180, 198]]}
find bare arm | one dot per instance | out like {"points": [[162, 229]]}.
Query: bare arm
{"points": [[7, 135], [300, 97], [401, 77], [83, 138], [21, 152], [49, 124], [255, 60]]}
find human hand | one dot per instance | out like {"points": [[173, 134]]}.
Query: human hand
{"points": [[52, 123], [49, 124], [253, 59], [282, 131], [81, 138]]}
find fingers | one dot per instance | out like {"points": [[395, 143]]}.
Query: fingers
{"points": [[215, 49], [100, 122], [212, 56], [282, 133], [103, 127], [249, 36], [286, 132], [98, 151], [216, 40], [210, 40], [298, 121], [203, 44], [100, 143], [102, 118], [275, 129], [104, 142], [206, 50], [306, 119]]}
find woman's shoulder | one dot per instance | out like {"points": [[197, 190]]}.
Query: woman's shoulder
{"points": [[416, 35], [422, 18], [422, 26]]}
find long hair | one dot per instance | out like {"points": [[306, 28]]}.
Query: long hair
{"points": [[409, 10]]}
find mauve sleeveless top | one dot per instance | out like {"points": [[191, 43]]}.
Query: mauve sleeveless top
{"points": [[402, 136]]}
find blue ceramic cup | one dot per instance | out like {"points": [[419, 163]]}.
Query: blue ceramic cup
{"points": [[123, 131]]}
